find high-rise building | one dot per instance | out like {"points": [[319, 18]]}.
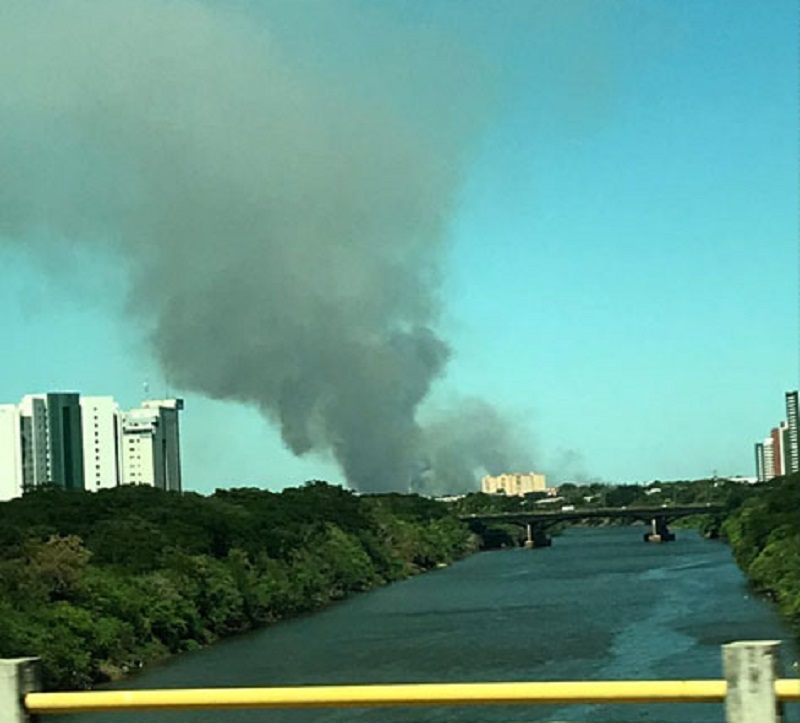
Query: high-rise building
{"points": [[761, 472], [786, 461], [151, 445], [51, 440], [518, 484], [65, 438], [100, 417], [792, 424], [769, 459], [75, 443], [10, 452], [34, 440], [779, 437], [169, 440]]}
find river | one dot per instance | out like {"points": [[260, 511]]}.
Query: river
{"points": [[598, 604]]}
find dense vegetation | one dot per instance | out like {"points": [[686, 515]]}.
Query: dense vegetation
{"points": [[764, 532], [98, 584]]}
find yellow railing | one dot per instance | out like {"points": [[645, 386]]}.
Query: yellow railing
{"points": [[752, 692], [445, 694]]}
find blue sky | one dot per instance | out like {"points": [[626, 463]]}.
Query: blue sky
{"points": [[640, 273], [622, 268]]}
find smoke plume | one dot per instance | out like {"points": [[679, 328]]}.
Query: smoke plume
{"points": [[469, 439], [280, 213]]}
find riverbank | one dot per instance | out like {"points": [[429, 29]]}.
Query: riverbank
{"points": [[764, 533], [762, 528], [101, 584]]}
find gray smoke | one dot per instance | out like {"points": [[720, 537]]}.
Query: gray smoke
{"points": [[281, 213], [468, 440]]}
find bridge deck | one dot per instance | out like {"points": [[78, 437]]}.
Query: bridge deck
{"points": [[671, 512]]}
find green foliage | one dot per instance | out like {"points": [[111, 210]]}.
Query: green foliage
{"points": [[100, 584], [479, 503], [764, 532]]}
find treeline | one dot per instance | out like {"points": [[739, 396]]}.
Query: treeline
{"points": [[764, 532], [100, 584], [597, 494]]}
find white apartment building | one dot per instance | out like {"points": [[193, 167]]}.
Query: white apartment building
{"points": [[513, 483], [101, 442], [10, 452], [151, 452], [769, 459], [76, 442]]}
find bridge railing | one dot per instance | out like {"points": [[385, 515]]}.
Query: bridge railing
{"points": [[752, 692]]}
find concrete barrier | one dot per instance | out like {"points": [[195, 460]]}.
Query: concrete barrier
{"points": [[18, 677], [751, 669]]}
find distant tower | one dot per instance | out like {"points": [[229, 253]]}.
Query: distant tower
{"points": [[769, 459], [792, 455], [778, 437], [761, 473]]}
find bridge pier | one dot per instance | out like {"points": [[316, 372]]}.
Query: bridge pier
{"points": [[536, 536], [659, 532]]}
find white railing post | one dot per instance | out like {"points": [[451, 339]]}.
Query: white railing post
{"points": [[751, 668], [18, 676]]}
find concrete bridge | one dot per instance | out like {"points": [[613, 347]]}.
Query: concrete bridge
{"points": [[536, 522]]}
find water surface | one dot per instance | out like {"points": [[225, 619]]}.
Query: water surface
{"points": [[599, 604]]}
